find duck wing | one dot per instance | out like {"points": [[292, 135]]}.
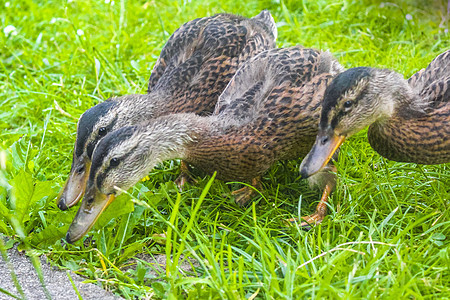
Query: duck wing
{"points": [[178, 43], [202, 56], [275, 80], [269, 111], [432, 83], [420, 138]]}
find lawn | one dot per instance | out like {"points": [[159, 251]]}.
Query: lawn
{"points": [[388, 230]]}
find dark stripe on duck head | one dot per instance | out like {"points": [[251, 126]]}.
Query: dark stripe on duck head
{"points": [[106, 145], [337, 88], [88, 121], [107, 129]]}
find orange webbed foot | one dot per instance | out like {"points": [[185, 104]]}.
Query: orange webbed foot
{"points": [[321, 209]]}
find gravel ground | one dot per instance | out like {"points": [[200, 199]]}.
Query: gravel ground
{"points": [[57, 281]]}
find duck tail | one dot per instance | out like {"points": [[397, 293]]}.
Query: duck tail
{"points": [[266, 18], [438, 69]]}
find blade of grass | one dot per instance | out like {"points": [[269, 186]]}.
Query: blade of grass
{"points": [[73, 285]]}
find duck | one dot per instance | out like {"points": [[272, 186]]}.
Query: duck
{"points": [[409, 120], [194, 67], [268, 112]]}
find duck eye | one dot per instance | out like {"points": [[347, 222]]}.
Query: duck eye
{"points": [[114, 162], [80, 170], [348, 104], [102, 131]]}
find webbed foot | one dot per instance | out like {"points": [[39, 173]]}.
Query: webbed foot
{"points": [[321, 209], [184, 177], [244, 195]]}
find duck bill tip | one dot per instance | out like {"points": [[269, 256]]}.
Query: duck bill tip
{"points": [[320, 154], [87, 215], [74, 188]]}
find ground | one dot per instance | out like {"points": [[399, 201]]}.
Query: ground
{"points": [[387, 233]]}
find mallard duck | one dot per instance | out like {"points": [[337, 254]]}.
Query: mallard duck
{"points": [[194, 67], [409, 119], [268, 112]]}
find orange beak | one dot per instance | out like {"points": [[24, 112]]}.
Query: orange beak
{"points": [[92, 206], [75, 185], [320, 154]]}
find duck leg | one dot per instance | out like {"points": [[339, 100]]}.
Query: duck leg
{"points": [[327, 180], [244, 195], [321, 209], [185, 176]]}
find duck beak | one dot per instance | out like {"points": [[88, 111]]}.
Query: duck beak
{"points": [[320, 154], [76, 183], [92, 206]]}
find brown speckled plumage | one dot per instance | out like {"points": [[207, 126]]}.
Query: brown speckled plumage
{"points": [[419, 136], [268, 112], [194, 67], [201, 57]]}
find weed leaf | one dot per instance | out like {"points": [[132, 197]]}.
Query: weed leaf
{"points": [[121, 205], [48, 236], [22, 194]]}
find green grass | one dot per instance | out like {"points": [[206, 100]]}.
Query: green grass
{"points": [[387, 234]]}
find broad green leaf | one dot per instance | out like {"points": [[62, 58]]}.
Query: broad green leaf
{"points": [[161, 288], [3, 195], [438, 236], [10, 243], [48, 236], [140, 272], [18, 151], [4, 211], [4, 185], [121, 205], [62, 217], [41, 190], [22, 193], [71, 265], [26, 194], [153, 199]]}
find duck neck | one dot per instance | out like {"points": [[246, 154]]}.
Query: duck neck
{"points": [[395, 95], [170, 137], [402, 108], [140, 107]]}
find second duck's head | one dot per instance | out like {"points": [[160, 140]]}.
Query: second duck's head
{"points": [[122, 158], [92, 126]]}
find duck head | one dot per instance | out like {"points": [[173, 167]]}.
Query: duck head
{"points": [[120, 160], [92, 126], [354, 99]]}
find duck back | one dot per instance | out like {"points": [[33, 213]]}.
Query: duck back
{"points": [[201, 57]]}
